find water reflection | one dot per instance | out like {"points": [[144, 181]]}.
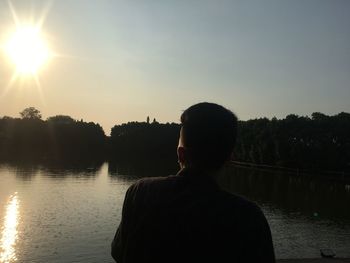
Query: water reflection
{"points": [[82, 207], [27, 171], [313, 197], [9, 231], [133, 169]]}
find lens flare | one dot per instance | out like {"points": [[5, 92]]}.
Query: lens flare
{"points": [[27, 50]]}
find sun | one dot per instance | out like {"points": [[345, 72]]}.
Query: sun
{"points": [[27, 49]]}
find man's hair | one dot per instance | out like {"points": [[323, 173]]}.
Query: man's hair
{"points": [[209, 134]]}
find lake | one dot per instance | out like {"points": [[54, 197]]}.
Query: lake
{"points": [[69, 213]]}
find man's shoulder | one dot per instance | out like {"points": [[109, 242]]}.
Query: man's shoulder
{"points": [[153, 185], [239, 203], [155, 181], [173, 180], [244, 212], [231, 203], [238, 199]]}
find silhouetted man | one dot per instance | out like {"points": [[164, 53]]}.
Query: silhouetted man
{"points": [[187, 217]]}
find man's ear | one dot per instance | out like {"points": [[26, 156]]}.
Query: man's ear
{"points": [[181, 154]]}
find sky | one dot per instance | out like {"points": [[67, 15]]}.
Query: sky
{"points": [[120, 61]]}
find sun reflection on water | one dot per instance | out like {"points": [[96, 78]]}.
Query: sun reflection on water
{"points": [[9, 231]]}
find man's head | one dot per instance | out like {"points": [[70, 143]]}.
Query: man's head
{"points": [[207, 136]]}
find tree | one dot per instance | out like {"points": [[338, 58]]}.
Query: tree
{"points": [[62, 119], [147, 119], [30, 113], [318, 116]]}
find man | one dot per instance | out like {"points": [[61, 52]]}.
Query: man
{"points": [[187, 217]]}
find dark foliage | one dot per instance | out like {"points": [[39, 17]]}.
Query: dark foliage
{"points": [[55, 139], [144, 140], [318, 143], [30, 113]]}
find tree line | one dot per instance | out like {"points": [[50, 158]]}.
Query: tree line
{"points": [[57, 138], [319, 142]]}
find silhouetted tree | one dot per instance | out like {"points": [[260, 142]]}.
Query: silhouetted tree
{"points": [[60, 137], [61, 119], [30, 113], [141, 140], [321, 142]]}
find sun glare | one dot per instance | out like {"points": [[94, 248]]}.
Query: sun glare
{"points": [[27, 50], [9, 231]]}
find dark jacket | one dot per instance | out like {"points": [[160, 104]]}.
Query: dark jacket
{"points": [[188, 218]]}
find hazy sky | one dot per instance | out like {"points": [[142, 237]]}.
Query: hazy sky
{"points": [[124, 60]]}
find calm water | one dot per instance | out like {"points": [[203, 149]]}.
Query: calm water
{"points": [[65, 214]]}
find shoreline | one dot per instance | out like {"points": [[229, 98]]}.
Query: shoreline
{"points": [[329, 175]]}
